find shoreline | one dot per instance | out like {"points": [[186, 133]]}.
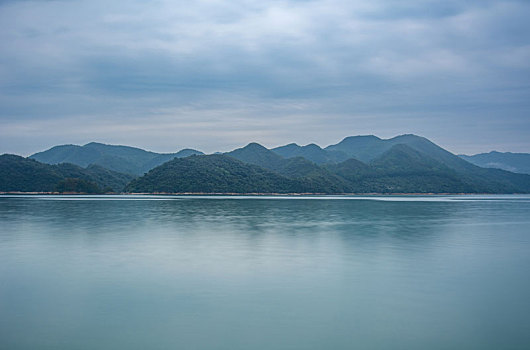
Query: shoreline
{"points": [[249, 194]]}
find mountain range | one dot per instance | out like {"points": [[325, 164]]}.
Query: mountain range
{"points": [[514, 162], [357, 164]]}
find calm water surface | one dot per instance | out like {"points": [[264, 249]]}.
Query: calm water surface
{"points": [[231, 273]]}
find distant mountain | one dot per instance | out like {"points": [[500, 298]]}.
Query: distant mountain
{"points": [[514, 162], [28, 175], [402, 169], [392, 173], [403, 159], [368, 148], [363, 148], [311, 152], [123, 159]]}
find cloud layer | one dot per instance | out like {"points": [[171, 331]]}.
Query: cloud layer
{"points": [[214, 75]]}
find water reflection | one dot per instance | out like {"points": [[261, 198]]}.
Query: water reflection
{"points": [[258, 273]]}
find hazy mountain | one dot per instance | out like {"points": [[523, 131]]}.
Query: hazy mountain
{"points": [[363, 148], [514, 162], [402, 159], [401, 169], [123, 159], [28, 175], [368, 148], [311, 152], [404, 169]]}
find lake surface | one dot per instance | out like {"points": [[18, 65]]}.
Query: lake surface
{"points": [[170, 272]]}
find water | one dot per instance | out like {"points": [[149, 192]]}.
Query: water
{"points": [[232, 273]]}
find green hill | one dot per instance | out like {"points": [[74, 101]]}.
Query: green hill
{"points": [[256, 154], [28, 175], [403, 169], [402, 159], [122, 159], [368, 148], [400, 170], [417, 166], [212, 174], [315, 178], [104, 178], [358, 164]]}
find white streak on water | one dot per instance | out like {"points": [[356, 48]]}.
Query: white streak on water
{"points": [[388, 198]]}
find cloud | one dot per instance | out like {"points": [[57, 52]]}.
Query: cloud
{"points": [[385, 65]]}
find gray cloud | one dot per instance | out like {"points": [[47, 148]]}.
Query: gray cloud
{"points": [[207, 74]]}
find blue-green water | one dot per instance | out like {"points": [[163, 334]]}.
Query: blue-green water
{"points": [[264, 273]]}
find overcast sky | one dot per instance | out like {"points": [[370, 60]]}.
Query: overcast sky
{"points": [[215, 75]]}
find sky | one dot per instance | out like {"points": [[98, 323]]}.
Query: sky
{"points": [[216, 75]]}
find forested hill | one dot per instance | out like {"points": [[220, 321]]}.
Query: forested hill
{"points": [[28, 175], [212, 174], [357, 164], [255, 169]]}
